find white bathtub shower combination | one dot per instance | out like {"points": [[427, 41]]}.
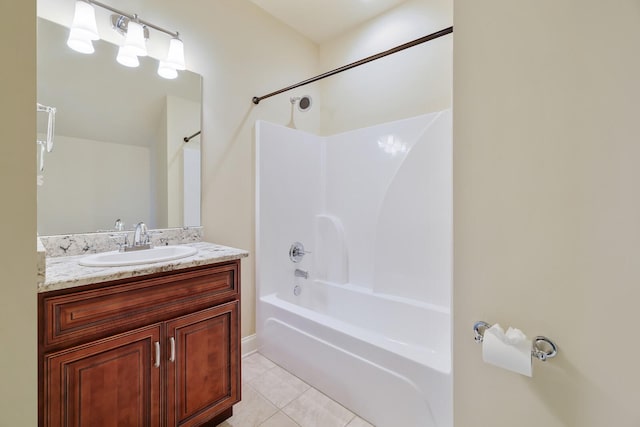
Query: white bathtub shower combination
{"points": [[370, 326]]}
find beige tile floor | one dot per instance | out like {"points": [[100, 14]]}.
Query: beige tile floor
{"points": [[272, 397]]}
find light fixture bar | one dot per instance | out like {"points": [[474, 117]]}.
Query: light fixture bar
{"points": [[120, 24], [133, 17], [135, 32]]}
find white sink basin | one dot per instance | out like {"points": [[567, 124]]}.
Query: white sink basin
{"points": [[145, 256]]}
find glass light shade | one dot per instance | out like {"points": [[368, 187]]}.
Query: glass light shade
{"points": [[127, 58], [79, 43], [134, 41], [166, 70], [175, 57], [84, 21]]}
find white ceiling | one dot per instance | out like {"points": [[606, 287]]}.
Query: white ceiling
{"points": [[321, 20]]}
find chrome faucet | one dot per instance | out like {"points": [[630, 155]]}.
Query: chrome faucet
{"points": [[301, 273], [141, 235], [119, 225], [140, 238]]}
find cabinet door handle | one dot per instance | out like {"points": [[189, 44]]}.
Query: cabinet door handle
{"points": [[172, 342], [157, 362]]}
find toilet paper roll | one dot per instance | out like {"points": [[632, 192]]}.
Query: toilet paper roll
{"points": [[510, 350]]}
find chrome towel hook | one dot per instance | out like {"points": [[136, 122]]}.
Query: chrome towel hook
{"points": [[542, 348]]}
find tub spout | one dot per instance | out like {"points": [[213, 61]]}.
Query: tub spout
{"points": [[301, 273]]}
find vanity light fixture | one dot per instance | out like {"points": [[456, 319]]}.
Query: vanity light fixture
{"points": [[135, 31], [175, 60], [175, 57], [134, 41], [167, 71], [83, 29], [127, 58]]}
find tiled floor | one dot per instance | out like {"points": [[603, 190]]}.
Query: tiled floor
{"points": [[272, 397]]}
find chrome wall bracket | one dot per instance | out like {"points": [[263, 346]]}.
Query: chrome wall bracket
{"points": [[120, 24]]}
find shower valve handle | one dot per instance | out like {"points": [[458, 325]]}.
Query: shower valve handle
{"points": [[297, 252]]}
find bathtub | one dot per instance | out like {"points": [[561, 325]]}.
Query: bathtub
{"points": [[371, 325], [386, 358]]}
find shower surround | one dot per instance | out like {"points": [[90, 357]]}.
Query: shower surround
{"points": [[370, 326]]}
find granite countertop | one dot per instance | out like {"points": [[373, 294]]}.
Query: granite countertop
{"points": [[65, 272], [41, 257]]}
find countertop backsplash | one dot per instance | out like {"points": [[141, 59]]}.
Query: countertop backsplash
{"points": [[41, 262], [91, 243]]}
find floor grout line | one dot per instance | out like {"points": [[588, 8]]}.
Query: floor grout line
{"points": [[351, 420], [267, 398], [281, 410]]}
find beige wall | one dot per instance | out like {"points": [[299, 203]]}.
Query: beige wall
{"points": [[406, 84], [182, 119], [85, 188], [241, 52], [546, 207], [18, 400], [247, 53]]}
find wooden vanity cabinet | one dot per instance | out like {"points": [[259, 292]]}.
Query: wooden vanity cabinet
{"points": [[199, 380], [112, 382], [160, 350]]}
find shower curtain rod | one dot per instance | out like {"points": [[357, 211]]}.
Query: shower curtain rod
{"points": [[189, 138], [256, 99]]}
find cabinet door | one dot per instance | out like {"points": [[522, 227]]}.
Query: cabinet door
{"points": [[204, 373], [111, 382]]}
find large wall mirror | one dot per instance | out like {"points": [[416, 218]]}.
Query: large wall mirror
{"points": [[119, 150]]}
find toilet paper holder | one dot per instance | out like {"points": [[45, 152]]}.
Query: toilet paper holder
{"points": [[542, 348]]}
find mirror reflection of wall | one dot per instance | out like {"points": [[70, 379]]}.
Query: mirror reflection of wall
{"points": [[119, 149]]}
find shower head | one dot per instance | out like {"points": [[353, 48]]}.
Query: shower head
{"points": [[304, 102]]}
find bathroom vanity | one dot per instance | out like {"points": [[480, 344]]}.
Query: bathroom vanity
{"points": [[144, 345]]}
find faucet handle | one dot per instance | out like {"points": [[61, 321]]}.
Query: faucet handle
{"points": [[297, 252], [151, 233], [118, 236], [144, 231]]}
